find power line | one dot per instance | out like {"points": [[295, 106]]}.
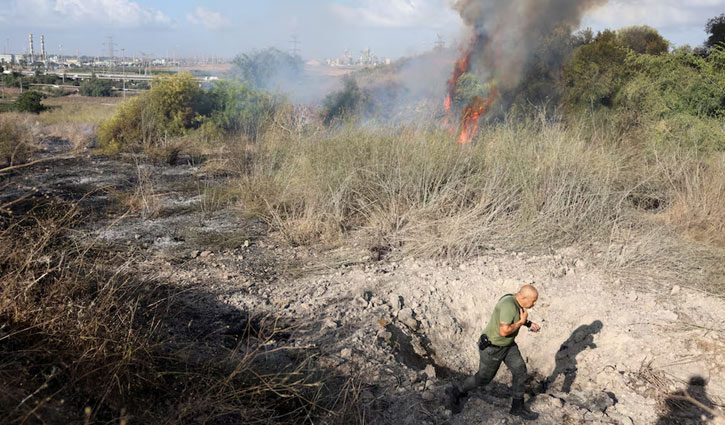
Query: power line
{"points": [[110, 45], [295, 42]]}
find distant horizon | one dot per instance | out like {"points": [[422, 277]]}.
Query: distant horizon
{"points": [[324, 28]]}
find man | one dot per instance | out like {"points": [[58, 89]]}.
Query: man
{"points": [[497, 345]]}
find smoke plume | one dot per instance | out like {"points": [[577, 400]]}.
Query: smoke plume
{"points": [[506, 31]]}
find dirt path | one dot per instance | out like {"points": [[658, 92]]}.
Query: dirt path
{"points": [[616, 349]]}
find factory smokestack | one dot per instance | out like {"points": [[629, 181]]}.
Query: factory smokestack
{"points": [[32, 52], [42, 48]]}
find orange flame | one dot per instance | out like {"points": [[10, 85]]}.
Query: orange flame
{"points": [[476, 108], [472, 113]]}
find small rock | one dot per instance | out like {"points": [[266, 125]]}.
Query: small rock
{"points": [[137, 236], [428, 396], [367, 396], [367, 295], [195, 253], [556, 402], [675, 290], [396, 301], [430, 371], [406, 316], [205, 254], [329, 324], [246, 243], [384, 335], [346, 353]]}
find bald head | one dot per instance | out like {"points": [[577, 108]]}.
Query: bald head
{"points": [[527, 296]]}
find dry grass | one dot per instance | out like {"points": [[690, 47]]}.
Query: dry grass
{"points": [[75, 118], [142, 199], [524, 185], [16, 140], [521, 185], [74, 109], [85, 339]]}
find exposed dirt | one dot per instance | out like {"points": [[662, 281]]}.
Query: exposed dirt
{"points": [[616, 351]]}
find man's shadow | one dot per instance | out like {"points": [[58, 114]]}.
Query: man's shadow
{"points": [[566, 363], [691, 406]]}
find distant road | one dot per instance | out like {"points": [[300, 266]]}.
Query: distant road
{"points": [[110, 76]]}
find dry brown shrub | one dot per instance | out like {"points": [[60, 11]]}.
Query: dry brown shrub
{"points": [[85, 339], [698, 199], [15, 139]]}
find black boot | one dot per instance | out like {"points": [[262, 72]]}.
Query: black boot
{"points": [[455, 399], [518, 408]]}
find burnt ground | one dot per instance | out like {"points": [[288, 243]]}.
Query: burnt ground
{"points": [[613, 351]]}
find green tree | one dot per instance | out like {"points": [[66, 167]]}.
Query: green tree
{"points": [[29, 101], [238, 109], [171, 108], [344, 103], [643, 39], [595, 72], [261, 68], [15, 79], [96, 88], [716, 28], [468, 87]]}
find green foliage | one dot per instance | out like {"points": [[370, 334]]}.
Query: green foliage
{"points": [[679, 83], [664, 98], [15, 79], [29, 101], [594, 74], [346, 102], [643, 39], [237, 109], [468, 87], [542, 76], [716, 28], [171, 108], [96, 87], [260, 68], [176, 106]]}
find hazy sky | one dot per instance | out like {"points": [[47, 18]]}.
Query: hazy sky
{"points": [[324, 27]]}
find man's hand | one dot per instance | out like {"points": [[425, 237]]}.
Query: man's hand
{"points": [[534, 327], [524, 316]]}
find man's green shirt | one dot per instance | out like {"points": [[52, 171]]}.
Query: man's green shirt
{"points": [[506, 311]]}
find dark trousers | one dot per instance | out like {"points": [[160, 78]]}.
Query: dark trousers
{"points": [[490, 361]]}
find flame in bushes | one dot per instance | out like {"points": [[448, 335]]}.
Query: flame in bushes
{"points": [[476, 108], [472, 113]]}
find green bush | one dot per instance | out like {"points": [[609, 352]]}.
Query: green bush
{"points": [[29, 101], [15, 80], [643, 39], [171, 108], [237, 109], [346, 102], [715, 27], [261, 67], [176, 105], [666, 98], [96, 88], [595, 72], [467, 88]]}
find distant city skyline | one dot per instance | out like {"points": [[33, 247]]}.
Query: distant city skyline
{"points": [[324, 28]]}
